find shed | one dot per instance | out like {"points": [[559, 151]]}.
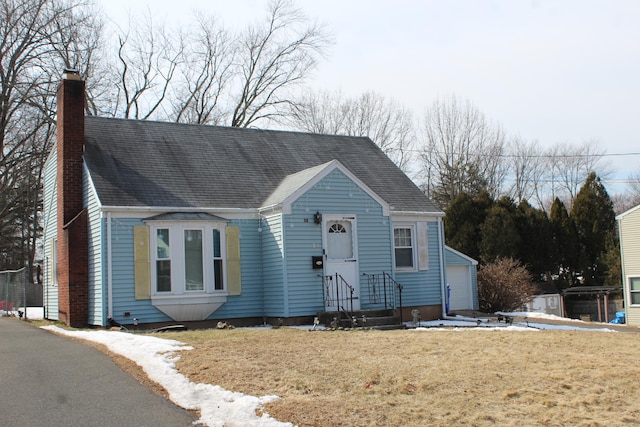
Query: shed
{"points": [[461, 280]]}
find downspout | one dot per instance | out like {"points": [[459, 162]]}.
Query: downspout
{"points": [[445, 315], [109, 270]]}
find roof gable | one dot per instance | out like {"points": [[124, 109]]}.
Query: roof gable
{"points": [[179, 166], [294, 186], [628, 212]]}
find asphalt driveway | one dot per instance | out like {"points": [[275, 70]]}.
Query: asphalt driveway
{"points": [[48, 380]]}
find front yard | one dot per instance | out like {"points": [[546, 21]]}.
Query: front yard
{"points": [[425, 377]]}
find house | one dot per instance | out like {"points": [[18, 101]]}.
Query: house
{"points": [[629, 232], [154, 222]]}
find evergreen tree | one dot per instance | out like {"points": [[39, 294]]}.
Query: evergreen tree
{"points": [[595, 222], [564, 244], [535, 238], [462, 222], [499, 234]]}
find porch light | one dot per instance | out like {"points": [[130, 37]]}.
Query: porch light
{"points": [[317, 218]]}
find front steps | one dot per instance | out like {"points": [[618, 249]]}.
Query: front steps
{"points": [[365, 319]]}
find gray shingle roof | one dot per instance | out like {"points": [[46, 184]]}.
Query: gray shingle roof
{"points": [[158, 164]]}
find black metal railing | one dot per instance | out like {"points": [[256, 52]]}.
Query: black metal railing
{"points": [[384, 290], [338, 294]]}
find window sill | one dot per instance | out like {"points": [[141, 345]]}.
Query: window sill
{"points": [[406, 270]]}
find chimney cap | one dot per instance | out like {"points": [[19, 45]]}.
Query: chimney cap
{"points": [[71, 74]]}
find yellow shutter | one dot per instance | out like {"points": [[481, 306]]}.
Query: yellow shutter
{"points": [[142, 277], [234, 279]]}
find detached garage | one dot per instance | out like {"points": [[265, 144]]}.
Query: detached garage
{"points": [[461, 280]]}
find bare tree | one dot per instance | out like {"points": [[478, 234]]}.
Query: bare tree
{"points": [[37, 38], [272, 59], [528, 171], [385, 121], [571, 165], [209, 58], [148, 57], [462, 152]]}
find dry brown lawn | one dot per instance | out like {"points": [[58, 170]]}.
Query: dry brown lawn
{"points": [[425, 378]]}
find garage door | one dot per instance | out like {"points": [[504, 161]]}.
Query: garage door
{"points": [[460, 284]]}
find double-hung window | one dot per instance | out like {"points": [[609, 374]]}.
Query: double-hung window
{"points": [[634, 290], [404, 247], [411, 246]]}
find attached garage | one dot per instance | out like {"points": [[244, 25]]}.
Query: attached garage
{"points": [[462, 281]]}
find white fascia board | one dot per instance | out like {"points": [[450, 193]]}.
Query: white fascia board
{"points": [[92, 187], [627, 212], [144, 212], [331, 166], [415, 216]]}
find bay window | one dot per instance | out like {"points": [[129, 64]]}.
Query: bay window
{"points": [[188, 258]]}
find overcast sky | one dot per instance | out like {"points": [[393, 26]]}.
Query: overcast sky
{"points": [[546, 70]]}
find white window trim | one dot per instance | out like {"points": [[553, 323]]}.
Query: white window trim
{"points": [[176, 244], [630, 292], [414, 246]]}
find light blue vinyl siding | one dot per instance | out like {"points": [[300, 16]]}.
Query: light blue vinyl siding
{"points": [[334, 194], [424, 287], [273, 266], [250, 302], [97, 294], [123, 275], [50, 232]]}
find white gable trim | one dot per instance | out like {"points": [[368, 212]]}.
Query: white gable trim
{"points": [[460, 254], [331, 166], [627, 212], [92, 187]]}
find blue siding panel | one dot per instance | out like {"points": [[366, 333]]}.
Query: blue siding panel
{"points": [[50, 232], [123, 275], [273, 266], [424, 287], [97, 306], [250, 302], [334, 194]]}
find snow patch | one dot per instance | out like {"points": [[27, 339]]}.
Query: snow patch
{"points": [[157, 356]]}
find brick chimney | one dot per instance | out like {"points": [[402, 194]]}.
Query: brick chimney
{"points": [[73, 246]]}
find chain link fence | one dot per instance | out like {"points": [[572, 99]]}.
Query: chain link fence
{"points": [[13, 292]]}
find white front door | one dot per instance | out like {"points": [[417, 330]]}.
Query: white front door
{"points": [[341, 263]]}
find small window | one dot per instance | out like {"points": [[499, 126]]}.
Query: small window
{"points": [[634, 290], [217, 261], [403, 245], [337, 228], [163, 260]]}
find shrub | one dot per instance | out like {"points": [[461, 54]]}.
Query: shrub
{"points": [[504, 285]]}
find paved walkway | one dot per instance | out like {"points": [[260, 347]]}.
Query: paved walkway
{"points": [[48, 380]]}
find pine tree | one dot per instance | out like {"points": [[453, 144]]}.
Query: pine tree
{"points": [[499, 234], [535, 238], [564, 244], [462, 222], [595, 222]]}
